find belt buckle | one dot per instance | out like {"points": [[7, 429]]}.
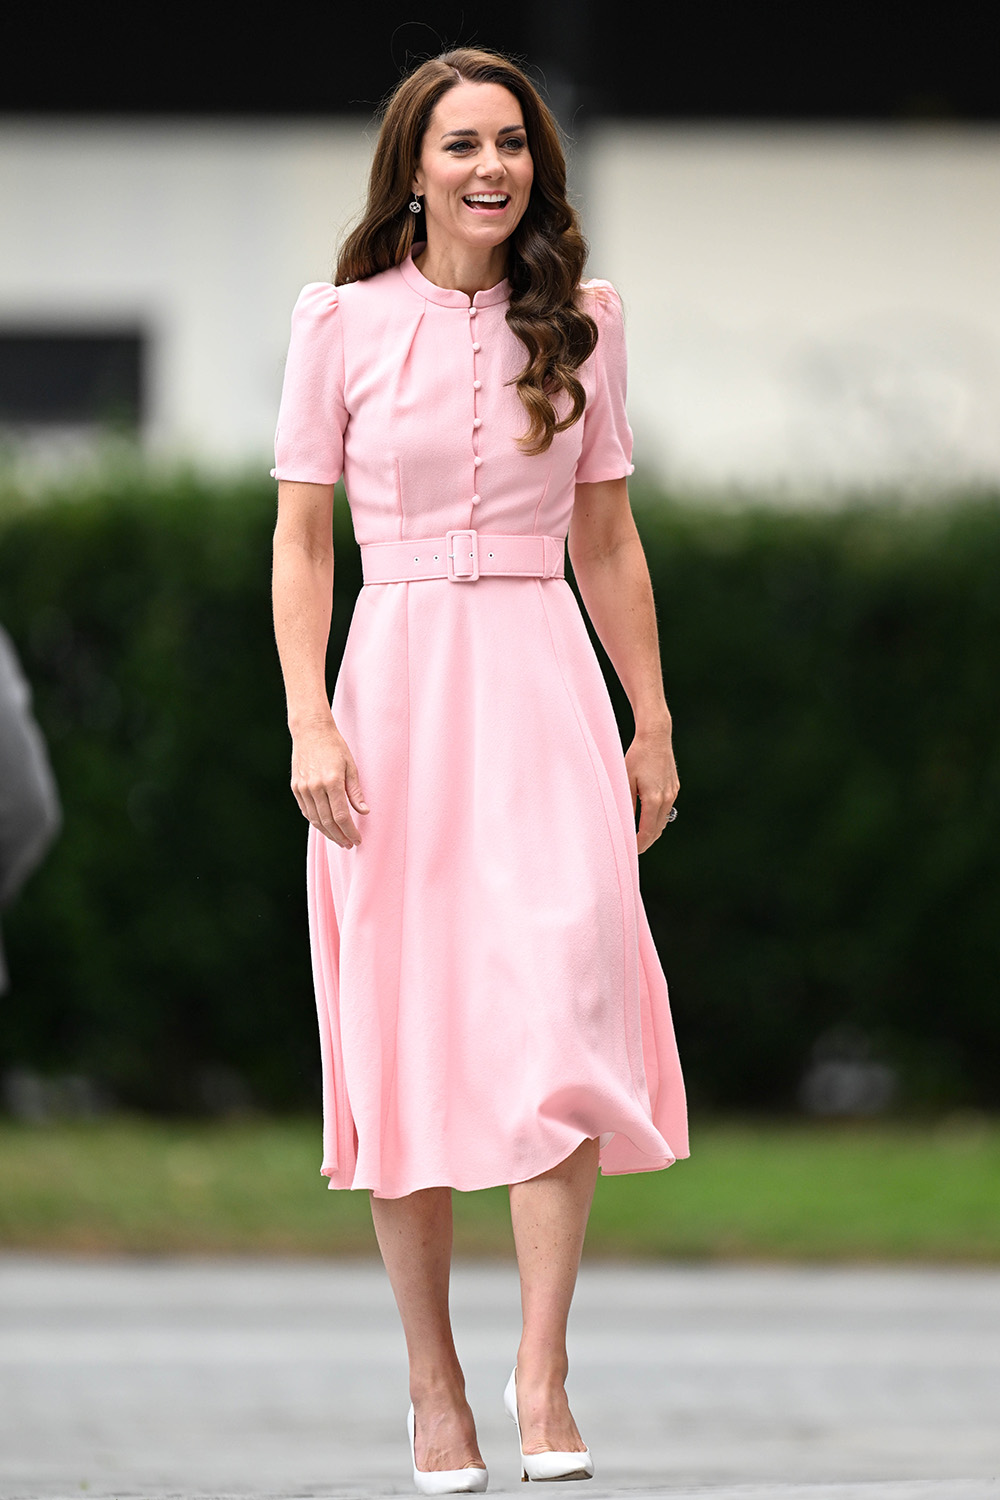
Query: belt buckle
{"points": [[462, 553]]}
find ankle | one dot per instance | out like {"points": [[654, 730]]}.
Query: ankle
{"points": [[541, 1371], [437, 1388]]}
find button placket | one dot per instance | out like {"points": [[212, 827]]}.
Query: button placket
{"points": [[477, 386]]}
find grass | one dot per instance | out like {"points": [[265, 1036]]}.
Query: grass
{"points": [[871, 1192]]}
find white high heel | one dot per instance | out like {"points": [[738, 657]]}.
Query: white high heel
{"points": [[545, 1465], [443, 1481]]}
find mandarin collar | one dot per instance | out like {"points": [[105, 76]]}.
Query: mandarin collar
{"points": [[446, 296]]}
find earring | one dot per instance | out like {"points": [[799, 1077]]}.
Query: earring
{"points": [[415, 205]]}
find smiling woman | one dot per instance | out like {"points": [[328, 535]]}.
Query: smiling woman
{"points": [[475, 181], [491, 1006], [466, 123]]}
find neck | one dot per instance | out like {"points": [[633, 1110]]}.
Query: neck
{"points": [[460, 268]]}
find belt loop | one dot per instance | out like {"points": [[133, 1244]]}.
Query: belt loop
{"points": [[462, 549]]}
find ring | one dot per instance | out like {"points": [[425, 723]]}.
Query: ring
{"points": [[671, 815]]}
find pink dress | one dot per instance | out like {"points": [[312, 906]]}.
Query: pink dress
{"points": [[487, 986]]}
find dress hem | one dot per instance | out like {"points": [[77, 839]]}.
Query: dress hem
{"points": [[656, 1164]]}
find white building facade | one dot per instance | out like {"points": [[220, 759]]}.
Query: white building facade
{"points": [[810, 310]]}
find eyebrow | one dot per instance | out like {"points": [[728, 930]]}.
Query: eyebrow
{"points": [[505, 131]]}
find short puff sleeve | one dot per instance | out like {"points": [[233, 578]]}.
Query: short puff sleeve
{"points": [[309, 442], [606, 452]]}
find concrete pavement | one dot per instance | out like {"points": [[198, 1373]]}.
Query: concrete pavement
{"points": [[195, 1378]]}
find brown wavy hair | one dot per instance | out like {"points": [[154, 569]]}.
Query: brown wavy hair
{"points": [[546, 252]]}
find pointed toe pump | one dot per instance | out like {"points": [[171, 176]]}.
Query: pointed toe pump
{"points": [[548, 1465], [443, 1481]]}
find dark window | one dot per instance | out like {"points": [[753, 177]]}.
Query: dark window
{"points": [[71, 378]]}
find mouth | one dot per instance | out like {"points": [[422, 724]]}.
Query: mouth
{"points": [[487, 203]]}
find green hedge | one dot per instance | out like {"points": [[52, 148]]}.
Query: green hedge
{"points": [[834, 682]]}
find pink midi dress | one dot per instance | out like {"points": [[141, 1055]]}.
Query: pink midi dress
{"points": [[487, 987]]}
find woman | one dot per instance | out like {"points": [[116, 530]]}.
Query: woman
{"points": [[491, 1006]]}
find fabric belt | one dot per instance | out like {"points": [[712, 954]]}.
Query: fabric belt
{"points": [[462, 557]]}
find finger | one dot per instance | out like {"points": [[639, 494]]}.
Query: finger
{"points": [[300, 800], [646, 832], [321, 817], [307, 805], [339, 816], [644, 840], [655, 811], [352, 785]]}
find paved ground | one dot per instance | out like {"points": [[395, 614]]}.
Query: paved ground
{"points": [[200, 1378]]}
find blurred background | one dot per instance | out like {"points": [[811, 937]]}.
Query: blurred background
{"points": [[801, 208]]}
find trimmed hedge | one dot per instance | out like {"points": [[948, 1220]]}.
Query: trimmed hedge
{"points": [[834, 684]]}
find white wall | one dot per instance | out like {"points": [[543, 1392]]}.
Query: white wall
{"points": [[816, 306], [202, 232], [813, 307]]}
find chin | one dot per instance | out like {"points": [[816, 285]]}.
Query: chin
{"points": [[488, 237], [494, 234]]}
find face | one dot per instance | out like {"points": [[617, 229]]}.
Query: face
{"points": [[475, 167]]}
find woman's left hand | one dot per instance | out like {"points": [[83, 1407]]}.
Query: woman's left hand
{"points": [[652, 775]]}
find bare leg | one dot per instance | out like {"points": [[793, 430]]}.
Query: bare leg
{"points": [[415, 1237], [549, 1218]]}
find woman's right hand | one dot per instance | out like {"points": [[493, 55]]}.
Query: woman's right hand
{"points": [[325, 782]]}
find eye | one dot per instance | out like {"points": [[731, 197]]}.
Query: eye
{"points": [[515, 143], [458, 147]]}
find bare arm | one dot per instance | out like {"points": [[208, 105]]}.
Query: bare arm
{"points": [[324, 776], [613, 578]]}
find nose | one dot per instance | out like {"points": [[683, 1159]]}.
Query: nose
{"points": [[490, 165]]}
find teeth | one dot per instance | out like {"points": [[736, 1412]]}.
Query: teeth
{"points": [[486, 198]]}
